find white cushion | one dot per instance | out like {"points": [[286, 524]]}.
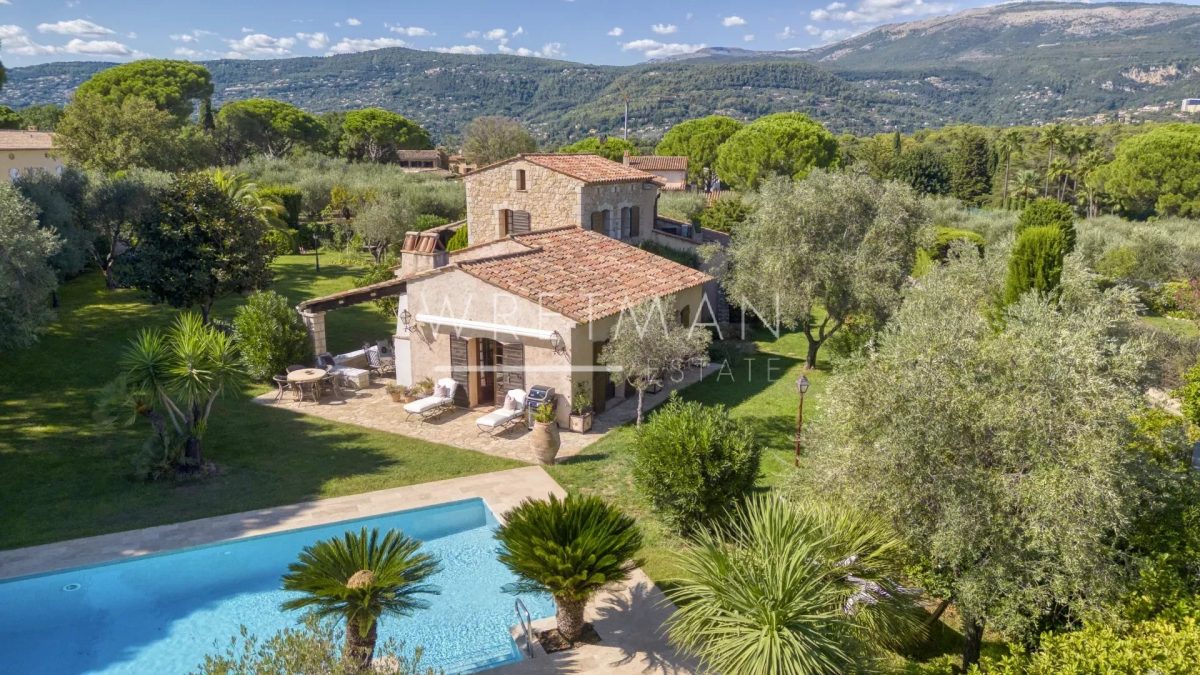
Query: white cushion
{"points": [[426, 404], [497, 417], [515, 400]]}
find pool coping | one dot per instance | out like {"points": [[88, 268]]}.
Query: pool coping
{"points": [[500, 490]]}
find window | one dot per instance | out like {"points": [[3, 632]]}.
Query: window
{"points": [[635, 222], [519, 180], [626, 220], [598, 218], [519, 222], [685, 315]]}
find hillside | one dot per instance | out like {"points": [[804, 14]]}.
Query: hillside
{"points": [[1016, 63]]}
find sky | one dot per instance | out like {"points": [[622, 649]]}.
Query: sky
{"points": [[589, 31]]}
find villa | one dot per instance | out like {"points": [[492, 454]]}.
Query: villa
{"points": [[554, 255]]}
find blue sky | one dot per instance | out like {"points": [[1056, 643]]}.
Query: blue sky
{"points": [[591, 31]]}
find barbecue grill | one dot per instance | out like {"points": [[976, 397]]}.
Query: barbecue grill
{"points": [[537, 397]]}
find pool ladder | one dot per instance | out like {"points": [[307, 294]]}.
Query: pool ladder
{"points": [[526, 623]]}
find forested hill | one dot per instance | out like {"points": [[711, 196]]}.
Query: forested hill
{"points": [[1016, 63]]}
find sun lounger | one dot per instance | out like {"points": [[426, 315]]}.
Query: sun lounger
{"points": [[504, 417], [439, 402]]}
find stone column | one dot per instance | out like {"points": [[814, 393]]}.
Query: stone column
{"points": [[315, 323]]}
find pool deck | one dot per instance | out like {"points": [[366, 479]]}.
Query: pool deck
{"points": [[628, 619]]}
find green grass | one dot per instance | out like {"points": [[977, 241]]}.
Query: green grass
{"points": [[62, 475], [1183, 328]]}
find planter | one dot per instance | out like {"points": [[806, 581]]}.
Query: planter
{"points": [[400, 396], [545, 441], [581, 424]]}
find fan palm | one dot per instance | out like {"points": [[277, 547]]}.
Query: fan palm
{"points": [[1010, 143], [570, 548], [791, 588], [360, 578], [1027, 184], [239, 188]]}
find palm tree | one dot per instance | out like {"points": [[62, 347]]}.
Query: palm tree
{"points": [[360, 578], [570, 548], [786, 587], [1027, 184], [1009, 144], [239, 188], [1052, 139], [175, 378]]}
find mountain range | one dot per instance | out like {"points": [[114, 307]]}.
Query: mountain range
{"points": [[1017, 63]]}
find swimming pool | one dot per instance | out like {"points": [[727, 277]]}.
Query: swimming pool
{"points": [[162, 613]]}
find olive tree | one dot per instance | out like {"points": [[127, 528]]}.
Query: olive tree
{"points": [[26, 276], [818, 251], [492, 139], [996, 444]]}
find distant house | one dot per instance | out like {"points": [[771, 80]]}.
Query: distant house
{"points": [[1190, 105], [422, 160], [671, 169], [460, 165], [23, 152]]}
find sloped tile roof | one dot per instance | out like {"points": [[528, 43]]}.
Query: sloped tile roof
{"points": [[26, 140], [591, 169], [581, 274], [658, 163]]}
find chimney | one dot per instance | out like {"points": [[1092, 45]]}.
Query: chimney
{"points": [[625, 161], [421, 252]]}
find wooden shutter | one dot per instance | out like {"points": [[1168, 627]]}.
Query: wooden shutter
{"points": [[514, 368], [598, 222], [520, 222], [635, 225], [460, 370]]}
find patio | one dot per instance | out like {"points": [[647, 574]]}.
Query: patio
{"points": [[373, 408]]}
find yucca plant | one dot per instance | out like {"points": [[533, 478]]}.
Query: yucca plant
{"points": [[787, 587], [360, 578], [570, 548]]}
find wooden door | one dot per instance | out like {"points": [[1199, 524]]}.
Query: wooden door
{"points": [[513, 374], [485, 373], [460, 370], [603, 387]]}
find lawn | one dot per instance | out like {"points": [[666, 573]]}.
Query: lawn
{"points": [[62, 475]]}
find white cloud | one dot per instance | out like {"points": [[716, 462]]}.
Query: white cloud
{"points": [[14, 40], [184, 38], [878, 11], [519, 31], [314, 40], [248, 30], [460, 49], [97, 48], [829, 34], [787, 33], [495, 34], [186, 52], [664, 29], [351, 46], [654, 49], [471, 35], [731, 21], [81, 27], [411, 31], [550, 50], [617, 31], [353, 22], [747, 38], [259, 45]]}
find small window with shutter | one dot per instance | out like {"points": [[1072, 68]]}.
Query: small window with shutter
{"points": [[635, 223], [519, 180]]}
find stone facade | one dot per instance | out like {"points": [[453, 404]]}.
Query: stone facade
{"points": [[551, 199]]}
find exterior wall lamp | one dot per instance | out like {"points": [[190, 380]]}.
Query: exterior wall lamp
{"points": [[406, 319], [557, 342]]}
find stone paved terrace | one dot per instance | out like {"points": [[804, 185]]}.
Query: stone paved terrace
{"points": [[628, 618], [372, 407]]}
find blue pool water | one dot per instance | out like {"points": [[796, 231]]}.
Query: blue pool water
{"points": [[161, 614]]}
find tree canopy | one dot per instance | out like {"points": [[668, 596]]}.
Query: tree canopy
{"points": [[492, 139], [376, 134], [104, 136], [698, 140], [783, 144], [838, 241], [172, 86], [1157, 172], [265, 126], [26, 277], [610, 148]]}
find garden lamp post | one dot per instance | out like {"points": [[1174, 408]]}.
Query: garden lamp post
{"points": [[801, 386], [317, 250]]}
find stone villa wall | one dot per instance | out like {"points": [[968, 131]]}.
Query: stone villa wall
{"points": [[615, 196], [552, 199]]}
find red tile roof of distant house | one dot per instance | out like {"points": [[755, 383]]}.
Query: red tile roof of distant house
{"points": [[581, 274], [11, 139], [658, 162], [591, 169]]}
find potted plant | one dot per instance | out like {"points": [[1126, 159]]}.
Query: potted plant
{"points": [[544, 438], [398, 392], [420, 390], [581, 409]]}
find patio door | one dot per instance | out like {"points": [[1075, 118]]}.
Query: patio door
{"points": [[487, 351], [460, 369], [603, 388]]}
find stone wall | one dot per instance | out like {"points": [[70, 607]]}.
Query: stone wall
{"points": [[552, 199], [615, 196]]}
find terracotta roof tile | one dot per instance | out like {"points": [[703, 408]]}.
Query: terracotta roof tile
{"points": [[658, 163], [592, 169], [26, 140], [581, 274]]}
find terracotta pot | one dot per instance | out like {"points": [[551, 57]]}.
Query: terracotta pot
{"points": [[545, 441], [581, 424], [399, 396]]}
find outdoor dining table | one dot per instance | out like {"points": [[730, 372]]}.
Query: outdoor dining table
{"points": [[306, 377]]}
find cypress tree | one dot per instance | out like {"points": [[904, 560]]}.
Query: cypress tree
{"points": [[1036, 263], [1047, 212]]}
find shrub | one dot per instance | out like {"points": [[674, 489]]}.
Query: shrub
{"points": [[1036, 263], [427, 221], [291, 198], [686, 258], [944, 238], [387, 305], [1048, 212], [725, 214], [269, 335], [1160, 647], [282, 242], [694, 462], [458, 239], [685, 206]]}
